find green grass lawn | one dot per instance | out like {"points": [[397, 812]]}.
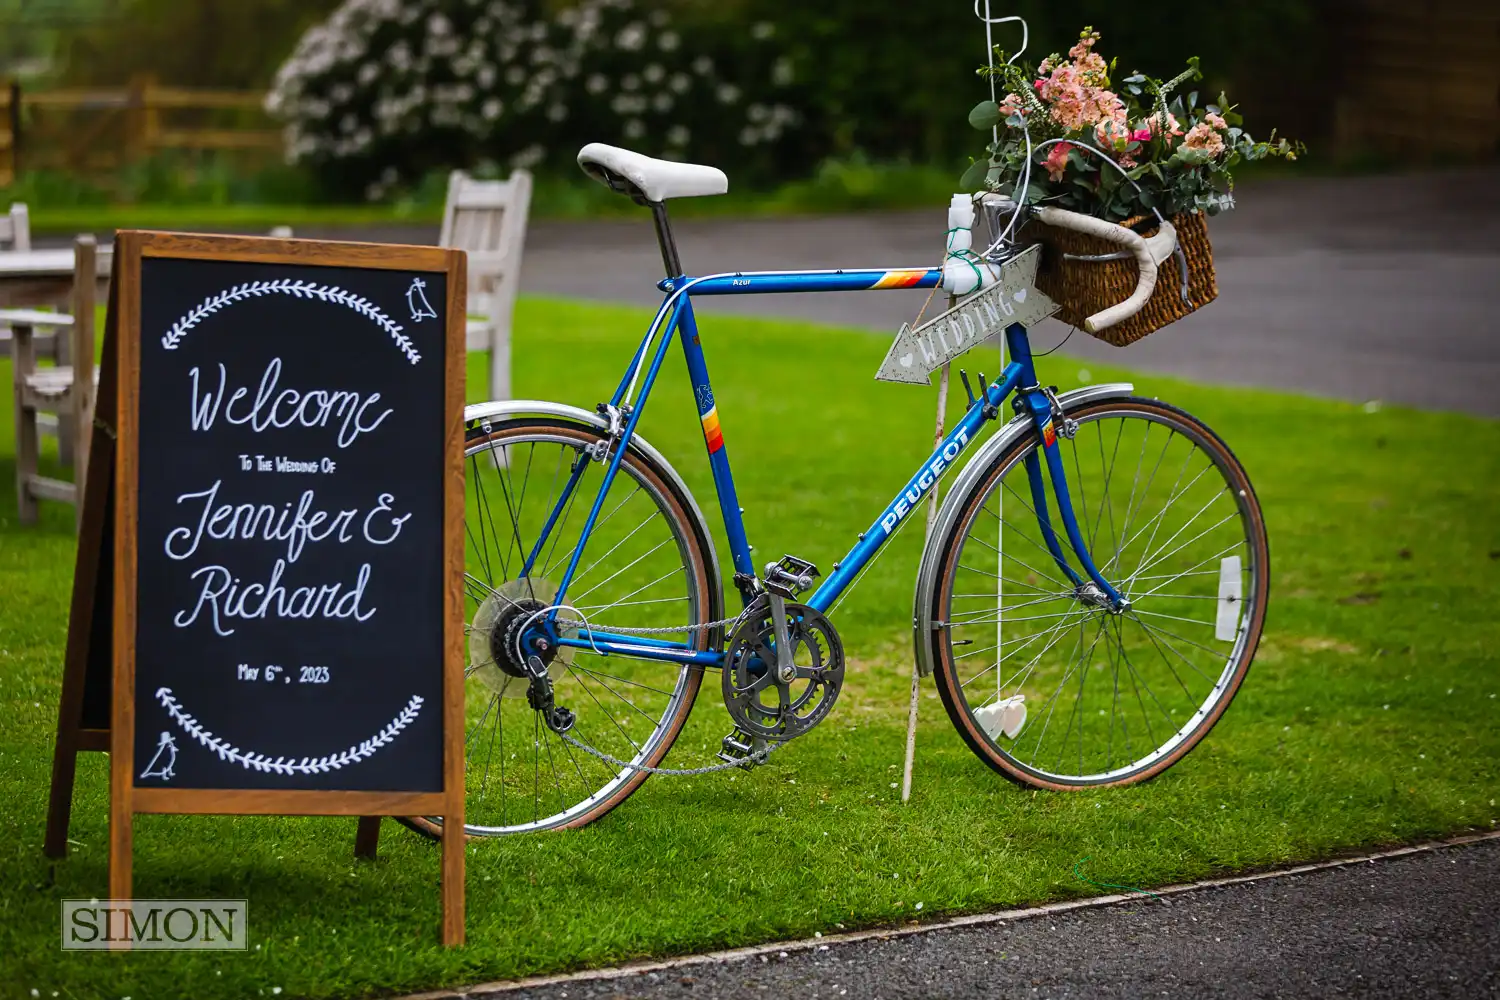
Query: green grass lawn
{"points": [[1371, 716], [837, 186]]}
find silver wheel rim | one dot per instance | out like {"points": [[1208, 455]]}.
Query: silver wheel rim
{"points": [[617, 584], [1151, 495]]}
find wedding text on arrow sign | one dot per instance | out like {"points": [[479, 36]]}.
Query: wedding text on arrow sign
{"points": [[1014, 298]]}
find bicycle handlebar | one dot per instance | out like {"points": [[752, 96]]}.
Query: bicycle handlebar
{"points": [[1148, 254]]}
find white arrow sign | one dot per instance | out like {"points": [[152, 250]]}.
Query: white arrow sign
{"points": [[916, 354]]}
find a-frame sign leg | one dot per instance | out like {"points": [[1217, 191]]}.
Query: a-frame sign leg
{"points": [[367, 837], [83, 708], [60, 802]]}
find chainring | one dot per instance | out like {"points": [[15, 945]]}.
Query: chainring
{"points": [[757, 700]]}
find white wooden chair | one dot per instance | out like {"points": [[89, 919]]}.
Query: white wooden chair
{"points": [[15, 235], [488, 220], [15, 228], [65, 390]]}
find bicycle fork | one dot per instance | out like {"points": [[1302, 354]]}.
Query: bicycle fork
{"points": [[1041, 405]]}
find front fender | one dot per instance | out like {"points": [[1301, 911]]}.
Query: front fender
{"points": [[478, 413], [927, 572]]}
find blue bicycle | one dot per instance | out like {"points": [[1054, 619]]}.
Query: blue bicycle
{"points": [[1086, 634]]}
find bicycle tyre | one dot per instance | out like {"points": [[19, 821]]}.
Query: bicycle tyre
{"points": [[1002, 750], [511, 439]]}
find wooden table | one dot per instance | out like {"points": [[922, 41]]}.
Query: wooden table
{"points": [[44, 277]]}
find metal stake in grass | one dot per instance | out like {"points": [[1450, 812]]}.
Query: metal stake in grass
{"points": [[932, 508]]}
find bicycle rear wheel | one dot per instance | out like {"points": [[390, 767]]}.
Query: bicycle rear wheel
{"points": [[1054, 691], [645, 566]]}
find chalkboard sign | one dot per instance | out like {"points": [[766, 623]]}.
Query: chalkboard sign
{"points": [[285, 518], [289, 621]]}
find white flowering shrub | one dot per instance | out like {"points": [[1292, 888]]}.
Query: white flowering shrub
{"points": [[384, 91]]}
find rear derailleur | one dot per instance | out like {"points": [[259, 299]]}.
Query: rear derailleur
{"points": [[539, 697]]}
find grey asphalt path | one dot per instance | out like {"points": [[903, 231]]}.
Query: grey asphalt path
{"points": [[1421, 925], [1371, 288], [1364, 288]]}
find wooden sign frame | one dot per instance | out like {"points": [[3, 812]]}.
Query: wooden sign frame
{"points": [[117, 421]]}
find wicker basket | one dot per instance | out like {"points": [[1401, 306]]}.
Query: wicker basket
{"points": [[1083, 288]]}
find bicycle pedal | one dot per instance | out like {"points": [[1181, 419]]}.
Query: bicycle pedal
{"points": [[737, 748], [790, 576]]}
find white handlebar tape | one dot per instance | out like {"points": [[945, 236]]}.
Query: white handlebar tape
{"points": [[963, 270], [1147, 254]]}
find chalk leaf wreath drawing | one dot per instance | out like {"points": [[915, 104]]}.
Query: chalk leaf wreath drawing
{"points": [[302, 290], [289, 765]]}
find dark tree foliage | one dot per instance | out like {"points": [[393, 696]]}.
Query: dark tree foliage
{"points": [[233, 44], [894, 79]]}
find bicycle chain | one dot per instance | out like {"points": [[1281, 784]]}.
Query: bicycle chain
{"points": [[758, 757], [657, 630]]}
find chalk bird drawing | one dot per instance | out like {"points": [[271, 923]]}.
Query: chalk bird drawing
{"points": [[417, 299], [159, 768]]}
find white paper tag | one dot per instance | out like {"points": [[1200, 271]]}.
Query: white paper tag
{"points": [[1227, 624]]}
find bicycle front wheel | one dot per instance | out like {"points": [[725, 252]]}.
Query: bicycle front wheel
{"points": [[1053, 690]]}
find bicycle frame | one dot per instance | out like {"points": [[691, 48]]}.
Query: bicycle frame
{"points": [[675, 319]]}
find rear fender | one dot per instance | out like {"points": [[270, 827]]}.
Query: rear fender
{"points": [[477, 414]]}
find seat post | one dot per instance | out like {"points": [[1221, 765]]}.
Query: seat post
{"points": [[669, 256]]}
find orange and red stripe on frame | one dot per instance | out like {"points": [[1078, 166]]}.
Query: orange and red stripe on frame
{"points": [[900, 279], [711, 433]]}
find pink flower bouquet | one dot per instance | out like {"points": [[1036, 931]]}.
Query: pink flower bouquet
{"points": [[1057, 117]]}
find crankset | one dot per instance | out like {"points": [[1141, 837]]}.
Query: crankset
{"points": [[783, 670]]}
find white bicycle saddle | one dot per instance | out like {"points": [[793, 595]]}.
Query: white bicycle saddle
{"points": [[656, 180]]}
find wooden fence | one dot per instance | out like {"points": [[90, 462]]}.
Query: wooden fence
{"points": [[1421, 81], [98, 131]]}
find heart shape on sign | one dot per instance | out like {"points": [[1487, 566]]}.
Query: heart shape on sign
{"points": [[1020, 296], [906, 360]]}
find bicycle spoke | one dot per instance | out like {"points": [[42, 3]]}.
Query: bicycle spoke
{"points": [[1088, 656], [641, 565], [1108, 477], [1062, 630], [1172, 496], [1190, 541], [1164, 635], [623, 680], [1141, 681], [1130, 508], [1155, 559], [608, 714], [515, 516], [1173, 669], [614, 548], [626, 604], [953, 619], [1057, 631], [629, 565], [1149, 506], [1175, 618]]}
